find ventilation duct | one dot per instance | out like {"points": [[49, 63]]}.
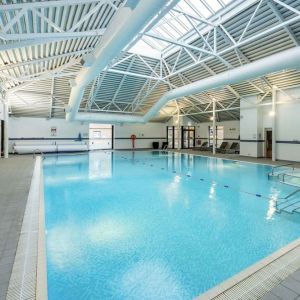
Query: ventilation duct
{"points": [[288, 59], [129, 20]]}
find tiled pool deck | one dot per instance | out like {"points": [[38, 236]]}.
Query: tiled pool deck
{"points": [[15, 177], [288, 289]]}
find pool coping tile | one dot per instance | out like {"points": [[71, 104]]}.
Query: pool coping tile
{"points": [[218, 292]]}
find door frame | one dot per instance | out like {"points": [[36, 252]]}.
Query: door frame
{"points": [[189, 129], [265, 140]]}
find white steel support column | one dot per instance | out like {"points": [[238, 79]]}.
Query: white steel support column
{"points": [[0, 136], [5, 130], [274, 95], [214, 127]]}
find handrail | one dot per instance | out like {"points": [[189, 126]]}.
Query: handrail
{"points": [[285, 165], [288, 175], [292, 194], [36, 151]]}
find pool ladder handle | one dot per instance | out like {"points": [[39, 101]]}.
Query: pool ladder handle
{"points": [[275, 167], [38, 151]]}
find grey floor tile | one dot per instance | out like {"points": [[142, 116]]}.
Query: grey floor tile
{"points": [[270, 296], [296, 275], [292, 284], [284, 293], [13, 198]]}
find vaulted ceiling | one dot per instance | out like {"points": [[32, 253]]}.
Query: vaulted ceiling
{"points": [[42, 43]]}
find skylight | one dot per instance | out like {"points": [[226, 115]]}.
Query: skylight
{"points": [[186, 15]]}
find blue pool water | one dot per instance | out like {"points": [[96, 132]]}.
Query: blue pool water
{"points": [[149, 225]]}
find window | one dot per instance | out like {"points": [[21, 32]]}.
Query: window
{"points": [[219, 135]]}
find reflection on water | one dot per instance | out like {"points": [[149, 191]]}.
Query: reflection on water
{"points": [[93, 165], [137, 225], [100, 164]]}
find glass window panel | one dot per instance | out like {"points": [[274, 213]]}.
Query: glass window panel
{"points": [[167, 31], [201, 8], [185, 22], [214, 4], [178, 26], [183, 6]]}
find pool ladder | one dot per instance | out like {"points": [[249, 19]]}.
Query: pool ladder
{"points": [[273, 174], [289, 205]]}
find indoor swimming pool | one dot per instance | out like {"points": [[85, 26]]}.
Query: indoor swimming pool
{"points": [[157, 225]]}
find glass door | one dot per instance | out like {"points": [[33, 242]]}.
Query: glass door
{"points": [[170, 137], [188, 137], [177, 137]]}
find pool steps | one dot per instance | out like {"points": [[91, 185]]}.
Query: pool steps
{"points": [[287, 204]]}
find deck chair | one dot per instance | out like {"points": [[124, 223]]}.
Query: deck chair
{"points": [[234, 148], [206, 147], [198, 147], [203, 146], [164, 145], [222, 147]]}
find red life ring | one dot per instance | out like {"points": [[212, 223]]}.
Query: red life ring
{"points": [[133, 138]]}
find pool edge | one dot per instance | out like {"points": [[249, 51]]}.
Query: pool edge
{"points": [[219, 291], [28, 276], [41, 278], [40, 285]]}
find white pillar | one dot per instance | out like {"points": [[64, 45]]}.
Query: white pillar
{"points": [[5, 130], [0, 135], [274, 95], [214, 127], [178, 135]]}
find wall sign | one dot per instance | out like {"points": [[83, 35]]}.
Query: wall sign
{"points": [[53, 131]]}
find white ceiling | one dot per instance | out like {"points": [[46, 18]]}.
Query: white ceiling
{"points": [[42, 42]]}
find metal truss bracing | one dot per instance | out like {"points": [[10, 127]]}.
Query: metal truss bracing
{"points": [[40, 36], [42, 43]]}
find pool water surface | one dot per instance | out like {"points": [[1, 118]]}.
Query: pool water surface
{"points": [[156, 225]]}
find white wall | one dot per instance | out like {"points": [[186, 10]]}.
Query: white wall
{"points": [[38, 130], [145, 133], [251, 127], [255, 120]]}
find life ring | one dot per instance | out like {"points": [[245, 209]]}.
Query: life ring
{"points": [[133, 138]]}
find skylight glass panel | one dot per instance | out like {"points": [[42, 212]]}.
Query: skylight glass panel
{"points": [[214, 4], [201, 8], [179, 21], [143, 48], [184, 22], [183, 6], [170, 30]]}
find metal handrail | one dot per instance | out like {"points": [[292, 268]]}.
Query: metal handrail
{"points": [[37, 151], [292, 194], [288, 175], [275, 167]]}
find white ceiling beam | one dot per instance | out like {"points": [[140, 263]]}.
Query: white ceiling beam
{"points": [[49, 35], [288, 7], [280, 18], [41, 60], [241, 43], [132, 74], [199, 19], [43, 4], [178, 43]]}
